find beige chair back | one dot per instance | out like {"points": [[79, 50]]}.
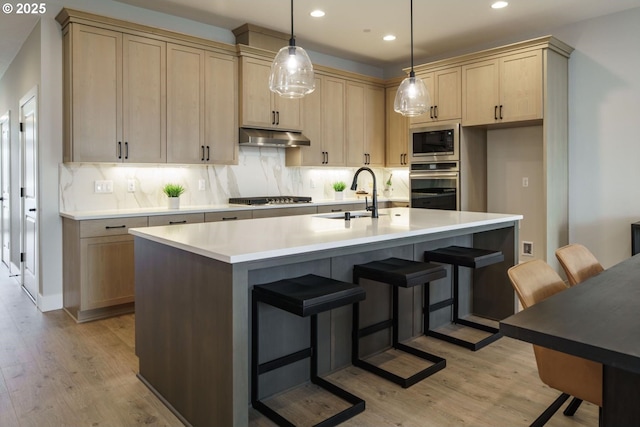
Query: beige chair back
{"points": [[535, 281], [578, 263]]}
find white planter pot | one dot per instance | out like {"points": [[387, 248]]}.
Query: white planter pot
{"points": [[339, 195], [173, 202]]}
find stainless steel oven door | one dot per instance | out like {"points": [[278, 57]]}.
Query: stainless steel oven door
{"points": [[435, 190]]}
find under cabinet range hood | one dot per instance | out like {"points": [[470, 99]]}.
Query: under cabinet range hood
{"points": [[272, 138]]}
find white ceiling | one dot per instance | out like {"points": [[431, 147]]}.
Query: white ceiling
{"points": [[353, 29]]}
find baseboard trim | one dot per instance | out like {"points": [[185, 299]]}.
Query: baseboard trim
{"points": [[49, 302]]}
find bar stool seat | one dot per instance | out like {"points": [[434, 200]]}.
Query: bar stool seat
{"points": [[304, 296], [458, 256], [397, 273]]}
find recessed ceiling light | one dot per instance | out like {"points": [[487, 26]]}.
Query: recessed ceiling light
{"points": [[499, 4], [317, 13], [389, 37]]}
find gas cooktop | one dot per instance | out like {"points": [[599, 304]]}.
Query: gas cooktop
{"points": [[269, 200]]}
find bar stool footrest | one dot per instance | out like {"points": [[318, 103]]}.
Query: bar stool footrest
{"points": [[439, 364], [474, 346]]}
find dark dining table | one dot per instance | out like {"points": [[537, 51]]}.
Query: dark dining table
{"points": [[599, 320]]}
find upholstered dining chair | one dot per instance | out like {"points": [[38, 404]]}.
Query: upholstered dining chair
{"points": [[534, 281], [578, 263]]}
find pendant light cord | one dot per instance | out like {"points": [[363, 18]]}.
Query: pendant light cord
{"points": [[292, 41], [411, 74]]}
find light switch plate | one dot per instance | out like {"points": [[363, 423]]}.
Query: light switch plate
{"points": [[131, 185], [201, 185], [103, 186]]}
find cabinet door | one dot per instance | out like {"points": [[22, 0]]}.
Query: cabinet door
{"points": [[374, 125], [397, 133], [144, 100], [288, 112], [448, 94], [312, 125], [256, 96], [355, 135], [221, 109], [107, 269], [428, 117], [521, 86], [185, 104], [480, 96], [96, 97], [333, 120]]}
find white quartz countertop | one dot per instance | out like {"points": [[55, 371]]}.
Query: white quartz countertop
{"points": [[132, 212], [264, 238]]}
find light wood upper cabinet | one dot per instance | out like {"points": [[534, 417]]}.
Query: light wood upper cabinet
{"points": [[314, 155], [220, 108], [144, 99], [115, 99], [93, 97], [444, 88], [333, 120], [365, 125], [506, 89], [202, 125], [262, 108], [397, 133], [185, 104]]}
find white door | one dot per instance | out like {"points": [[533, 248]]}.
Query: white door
{"points": [[29, 151], [5, 173]]}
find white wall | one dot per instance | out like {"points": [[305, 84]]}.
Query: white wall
{"points": [[604, 133]]}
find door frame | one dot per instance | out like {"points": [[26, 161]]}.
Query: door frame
{"points": [[5, 170]]}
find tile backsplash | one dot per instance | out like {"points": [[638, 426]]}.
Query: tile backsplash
{"points": [[260, 172]]}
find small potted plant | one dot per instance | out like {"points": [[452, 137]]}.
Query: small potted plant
{"points": [[173, 192], [388, 189], [339, 187]]}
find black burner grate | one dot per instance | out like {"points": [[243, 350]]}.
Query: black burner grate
{"points": [[268, 200]]}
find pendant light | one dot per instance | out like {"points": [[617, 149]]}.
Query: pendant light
{"points": [[292, 71], [412, 98]]}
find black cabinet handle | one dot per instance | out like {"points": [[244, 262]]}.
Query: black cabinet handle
{"points": [[277, 117], [32, 210], [327, 154], [273, 117], [431, 112], [501, 112], [126, 150], [208, 153], [435, 110], [495, 112], [119, 149], [229, 218], [177, 222], [109, 227], [202, 151], [336, 210]]}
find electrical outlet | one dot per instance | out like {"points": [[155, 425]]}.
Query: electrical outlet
{"points": [[103, 186], [131, 185], [312, 183], [525, 181], [527, 248], [201, 185]]}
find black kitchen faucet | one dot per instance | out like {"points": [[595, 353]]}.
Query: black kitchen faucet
{"points": [[374, 204]]}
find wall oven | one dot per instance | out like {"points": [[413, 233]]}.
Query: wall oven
{"points": [[435, 143], [435, 185]]}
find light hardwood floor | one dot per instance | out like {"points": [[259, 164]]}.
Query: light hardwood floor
{"points": [[55, 372]]}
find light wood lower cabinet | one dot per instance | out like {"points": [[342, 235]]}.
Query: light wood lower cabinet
{"points": [[175, 219], [288, 211], [227, 215], [98, 268]]}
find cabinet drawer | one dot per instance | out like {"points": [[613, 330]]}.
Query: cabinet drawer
{"points": [[175, 219], [227, 215], [110, 227]]}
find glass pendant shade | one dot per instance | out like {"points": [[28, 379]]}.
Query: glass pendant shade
{"points": [[412, 98], [292, 73]]}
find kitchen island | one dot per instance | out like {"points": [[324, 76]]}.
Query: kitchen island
{"points": [[193, 286]]}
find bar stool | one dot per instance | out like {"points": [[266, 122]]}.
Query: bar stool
{"points": [[466, 257], [303, 296], [396, 273]]}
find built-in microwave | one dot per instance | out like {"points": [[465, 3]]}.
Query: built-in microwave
{"points": [[435, 143]]}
